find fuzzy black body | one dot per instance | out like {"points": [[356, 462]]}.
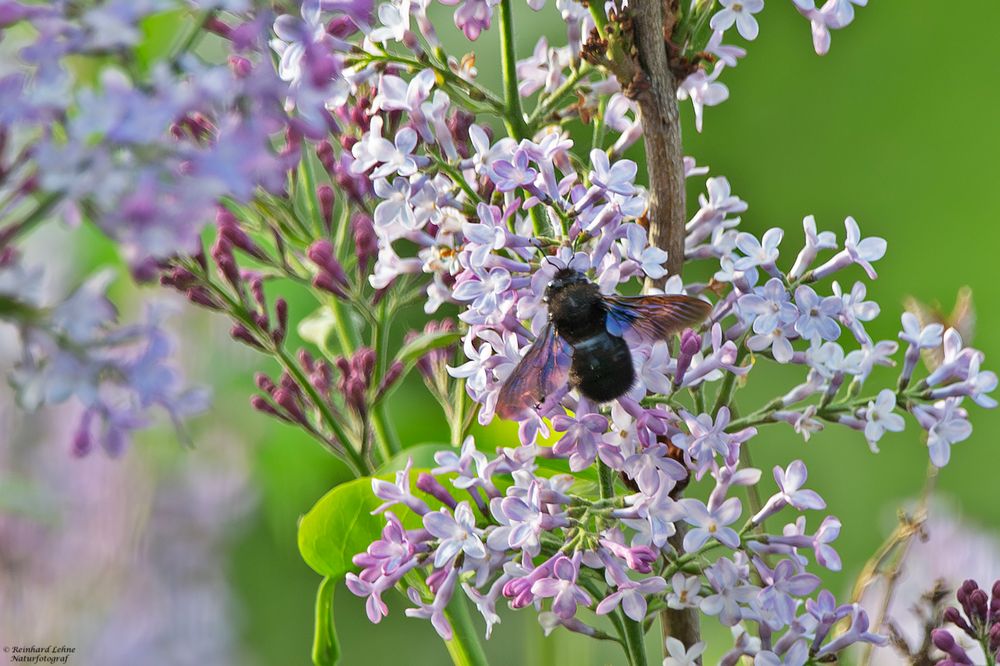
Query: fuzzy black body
{"points": [[602, 363], [582, 345]]}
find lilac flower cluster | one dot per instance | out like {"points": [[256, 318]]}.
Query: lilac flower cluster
{"points": [[144, 151], [145, 154], [361, 166], [74, 349], [490, 221], [535, 542]]}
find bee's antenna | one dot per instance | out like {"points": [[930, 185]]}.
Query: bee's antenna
{"points": [[548, 259]]}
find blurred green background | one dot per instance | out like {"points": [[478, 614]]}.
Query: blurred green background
{"points": [[896, 126]]}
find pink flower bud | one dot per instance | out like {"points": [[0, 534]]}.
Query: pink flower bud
{"points": [[241, 333]]}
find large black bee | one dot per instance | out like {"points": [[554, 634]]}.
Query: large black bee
{"points": [[583, 342]]}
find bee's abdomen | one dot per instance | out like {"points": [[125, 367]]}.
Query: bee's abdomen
{"points": [[602, 367]]}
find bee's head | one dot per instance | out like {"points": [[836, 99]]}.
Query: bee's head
{"points": [[562, 279]]}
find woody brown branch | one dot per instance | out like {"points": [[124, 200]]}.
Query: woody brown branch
{"points": [[651, 23], [635, 50]]}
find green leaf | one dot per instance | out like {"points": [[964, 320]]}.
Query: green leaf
{"points": [[319, 328], [160, 32], [422, 454], [340, 526], [412, 351], [326, 648]]}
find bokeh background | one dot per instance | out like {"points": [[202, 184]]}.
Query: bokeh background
{"points": [[177, 556]]}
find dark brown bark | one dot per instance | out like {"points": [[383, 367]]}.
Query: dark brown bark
{"points": [[657, 102], [652, 20]]}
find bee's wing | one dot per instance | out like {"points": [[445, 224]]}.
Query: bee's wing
{"points": [[654, 317], [542, 371]]}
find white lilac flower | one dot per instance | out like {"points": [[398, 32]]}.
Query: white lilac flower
{"points": [[711, 524], [946, 424], [703, 90], [856, 309], [542, 71], [829, 360], [731, 592], [921, 337], [457, 533], [815, 242], [790, 482], [618, 177], [740, 12], [397, 94], [395, 157], [649, 258], [394, 214], [394, 18], [616, 117], [777, 339], [833, 15], [486, 153], [294, 36], [727, 54], [768, 307], [857, 250], [678, 655], [684, 592], [880, 416], [763, 252], [817, 315], [476, 370]]}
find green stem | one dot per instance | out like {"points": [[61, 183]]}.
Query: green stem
{"points": [[632, 631], [457, 425], [552, 102], [470, 89], [600, 18], [44, 207], [635, 643], [464, 646], [457, 177], [517, 128], [514, 116], [607, 480], [194, 35], [597, 136], [384, 434]]}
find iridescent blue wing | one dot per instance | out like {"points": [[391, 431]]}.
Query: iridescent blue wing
{"points": [[542, 372], [654, 317]]}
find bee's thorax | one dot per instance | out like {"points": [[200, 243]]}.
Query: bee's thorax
{"points": [[577, 311]]}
